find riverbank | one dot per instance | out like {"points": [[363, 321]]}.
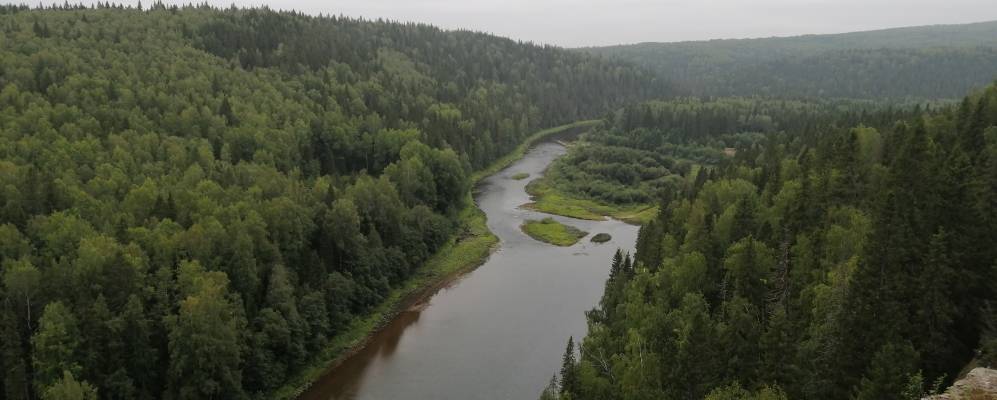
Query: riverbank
{"points": [[548, 199], [520, 150], [467, 250]]}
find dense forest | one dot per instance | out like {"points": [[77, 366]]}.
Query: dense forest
{"points": [[194, 200], [928, 62], [851, 260], [647, 149]]}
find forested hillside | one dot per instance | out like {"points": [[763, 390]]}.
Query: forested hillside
{"points": [[193, 201], [826, 261], [649, 148], [928, 62]]}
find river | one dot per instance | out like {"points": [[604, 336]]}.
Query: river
{"points": [[499, 331]]}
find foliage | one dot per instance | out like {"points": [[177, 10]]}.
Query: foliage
{"points": [[649, 151], [735, 392], [468, 250], [68, 388], [831, 263], [550, 231], [194, 201], [552, 201], [927, 62], [601, 238]]}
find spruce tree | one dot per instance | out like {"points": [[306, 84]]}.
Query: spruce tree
{"points": [[889, 375], [569, 374]]}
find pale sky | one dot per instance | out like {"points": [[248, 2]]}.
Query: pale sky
{"points": [[604, 22]]}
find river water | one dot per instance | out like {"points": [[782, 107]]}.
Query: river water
{"points": [[499, 331]]}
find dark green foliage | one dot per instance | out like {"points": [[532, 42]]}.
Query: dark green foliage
{"points": [[193, 201], [601, 238], [648, 151], [832, 263], [927, 62], [889, 373], [569, 373], [988, 343]]}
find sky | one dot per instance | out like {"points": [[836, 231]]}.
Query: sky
{"points": [[576, 23]]}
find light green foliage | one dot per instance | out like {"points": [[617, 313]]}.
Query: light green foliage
{"points": [[550, 231], [55, 345], [13, 244], [68, 388], [736, 392], [22, 282], [551, 201], [653, 150], [204, 337]]}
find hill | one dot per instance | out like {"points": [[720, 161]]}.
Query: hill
{"points": [[835, 254], [942, 61], [194, 201]]}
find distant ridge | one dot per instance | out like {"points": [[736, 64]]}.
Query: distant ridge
{"points": [[935, 35], [923, 62]]}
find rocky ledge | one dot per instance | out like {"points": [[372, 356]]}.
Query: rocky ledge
{"points": [[978, 384]]}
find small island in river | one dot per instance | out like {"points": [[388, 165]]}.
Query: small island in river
{"points": [[601, 238]]}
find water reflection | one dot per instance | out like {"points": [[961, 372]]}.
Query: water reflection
{"points": [[349, 375], [499, 332]]}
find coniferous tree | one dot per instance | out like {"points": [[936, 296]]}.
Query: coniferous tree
{"points": [[569, 374]]}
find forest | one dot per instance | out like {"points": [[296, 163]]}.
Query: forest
{"points": [[926, 63], [644, 150], [849, 257], [195, 200]]}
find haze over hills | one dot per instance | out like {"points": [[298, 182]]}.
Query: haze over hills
{"points": [[915, 62], [224, 203], [958, 35]]}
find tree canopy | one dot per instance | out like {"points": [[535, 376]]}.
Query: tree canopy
{"points": [[194, 200], [840, 262], [927, 62]]}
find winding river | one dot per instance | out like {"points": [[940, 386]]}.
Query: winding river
{"points": [[497, 332]]}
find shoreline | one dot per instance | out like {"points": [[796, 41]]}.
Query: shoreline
{"points": [[547, 199], [470, 247]]}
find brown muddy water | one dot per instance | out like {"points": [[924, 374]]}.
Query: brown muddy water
{"points": [[499, 331]]}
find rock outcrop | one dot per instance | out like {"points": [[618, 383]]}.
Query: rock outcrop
{"points": [[978, 384]]}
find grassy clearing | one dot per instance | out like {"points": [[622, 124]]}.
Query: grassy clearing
{"points": [[549, 200], [465, 251], [636, 215], [520, 176], [550, 231]]}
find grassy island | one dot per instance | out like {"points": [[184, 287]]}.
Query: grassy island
{"points": [[550, 231]]}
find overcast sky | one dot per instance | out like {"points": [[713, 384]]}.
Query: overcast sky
{"points": [[573, 23]]}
